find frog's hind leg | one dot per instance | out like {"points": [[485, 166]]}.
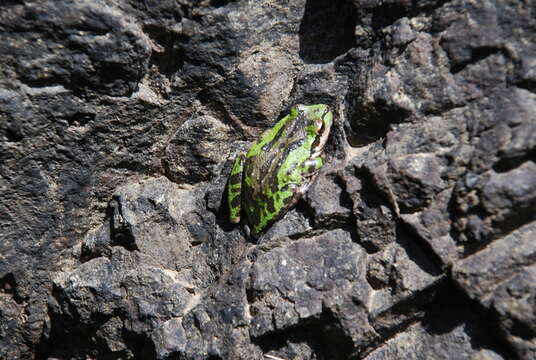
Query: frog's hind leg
{"points": [[234, 189]]}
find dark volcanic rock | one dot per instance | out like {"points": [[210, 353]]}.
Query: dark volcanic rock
{"points": [[306, 287], [497, 195], [114, 304], [502, 277], [85, 46], [118, 123], [195, 150]]}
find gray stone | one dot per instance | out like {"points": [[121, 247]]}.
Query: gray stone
{"points": [[196, 150], [502, 278], [75, 58], [169, 338], [416, 343], [301, 280], [433, 226], [373, 209], [416, 180], [126, 286], [294, 223], [329, 202], [399, 271], [159, 218]]}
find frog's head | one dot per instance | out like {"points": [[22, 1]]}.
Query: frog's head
{"points": [[322, 118]]}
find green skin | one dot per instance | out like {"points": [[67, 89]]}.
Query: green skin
{"points": [[271, 177]]}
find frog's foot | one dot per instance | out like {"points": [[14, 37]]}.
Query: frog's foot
{"points": [[234, 189]]}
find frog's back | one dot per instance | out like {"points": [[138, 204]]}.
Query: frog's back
{"points": [[268, 190]]}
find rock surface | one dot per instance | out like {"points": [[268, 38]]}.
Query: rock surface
{"points": [[118, 123]]}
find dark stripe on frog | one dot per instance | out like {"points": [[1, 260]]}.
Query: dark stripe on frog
{"points": [[290, 127], [265, 177], [268, 214], [235, 202], [235, 179], [270, 205], [282, 132], [292, 166], [264, 212], [253, 217], [270, 165], [271, 215], [296, 129], [270, 136], [300, 121]]}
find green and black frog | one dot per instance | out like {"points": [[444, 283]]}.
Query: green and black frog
{"points": [[277, 170]]}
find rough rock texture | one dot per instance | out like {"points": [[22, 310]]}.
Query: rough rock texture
{"points": [[118, 124]]}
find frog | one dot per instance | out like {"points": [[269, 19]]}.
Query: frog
{"points": [[268, 180]]}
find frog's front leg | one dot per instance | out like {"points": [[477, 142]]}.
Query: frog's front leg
{"points": [[308, 170], [305, 170], [311, 166], [234, 189]]}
